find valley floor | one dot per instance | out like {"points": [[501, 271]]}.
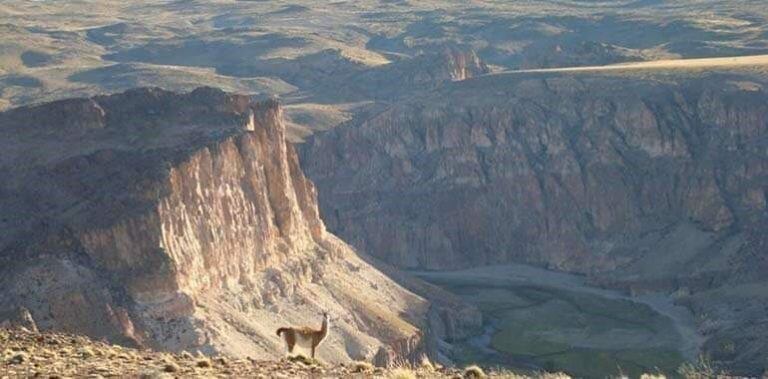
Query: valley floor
{"points": [[539, 319]]}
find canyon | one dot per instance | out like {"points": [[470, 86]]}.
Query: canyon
{"points": [[184, 222], [610, 151], [644, 182]]}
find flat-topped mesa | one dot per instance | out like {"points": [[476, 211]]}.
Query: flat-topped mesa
{"points": [[241, 193], [133, 109], [180, 221]]}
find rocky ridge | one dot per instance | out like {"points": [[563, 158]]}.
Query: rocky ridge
{"points": [[183, 221]]}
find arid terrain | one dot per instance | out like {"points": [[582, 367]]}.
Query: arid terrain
{"points": [[332, 61], [154, 157], [31, 354]]}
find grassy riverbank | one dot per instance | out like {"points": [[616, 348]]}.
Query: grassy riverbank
{"points": [[559, 326]]}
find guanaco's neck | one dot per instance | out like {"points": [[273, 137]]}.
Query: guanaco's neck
{"points": [[324, 327]]}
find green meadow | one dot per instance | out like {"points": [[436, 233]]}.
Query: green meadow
{"points": [[554, 329]]}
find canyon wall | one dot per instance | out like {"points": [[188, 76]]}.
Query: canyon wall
{"points": [[183, 221], [645, 183]]}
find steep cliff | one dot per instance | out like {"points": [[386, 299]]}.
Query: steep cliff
{"points": [[182, 221], [644, 183]]}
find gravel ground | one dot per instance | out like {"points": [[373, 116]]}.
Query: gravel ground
{"points": [[24, 353]]}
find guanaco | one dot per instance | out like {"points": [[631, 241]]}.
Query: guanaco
{"points": [[304, 336]]}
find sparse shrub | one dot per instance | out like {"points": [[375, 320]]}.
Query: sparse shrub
{"points": [[203, 363], [653, 376], [501, 373], [701, 369], [186, 355], [18, 358], [301, 358], [426, 364], [402, 373], [362, 367], [86, 352], [474, 372], [401, 362], [171, 367]]}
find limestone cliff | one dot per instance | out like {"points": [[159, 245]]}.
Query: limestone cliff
{"points": [[182, 221], [643, 183]]}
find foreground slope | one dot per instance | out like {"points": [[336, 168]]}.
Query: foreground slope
{"points": [[24, 353], [182, 221]]}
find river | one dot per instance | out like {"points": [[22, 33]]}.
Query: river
{"points": [[556, 314]]}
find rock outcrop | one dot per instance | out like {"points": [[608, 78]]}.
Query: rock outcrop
{"points": [[408, 76], [18, 318], [648, 184], [405, 77], [181, 222]]}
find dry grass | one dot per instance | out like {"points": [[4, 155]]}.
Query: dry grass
{"points": [[362, 367], [556, 375], [498, 373], [474, 372], [426, 364], [703, 368], [301, 358], [203, 363], [171, 367], [402, 373]]}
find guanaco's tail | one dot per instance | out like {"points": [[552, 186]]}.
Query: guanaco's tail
{"points": [[281, 330]]}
